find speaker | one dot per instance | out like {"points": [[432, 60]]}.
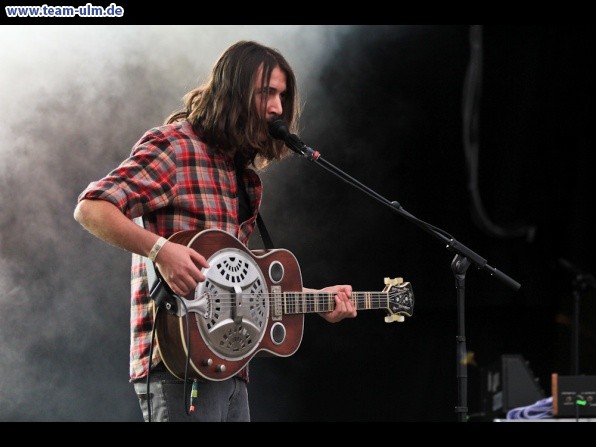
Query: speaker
{"points": [[508, 383]]}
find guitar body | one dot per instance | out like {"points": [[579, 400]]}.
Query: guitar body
{"points": [[234, 314]]}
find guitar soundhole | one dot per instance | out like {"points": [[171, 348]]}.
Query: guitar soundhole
{"points": [[278, 333], [276, 272]]}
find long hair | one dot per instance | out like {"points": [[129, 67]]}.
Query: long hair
{"points": [[224, 112]]}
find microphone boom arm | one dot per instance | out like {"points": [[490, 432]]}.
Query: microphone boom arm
{"points": [[279, 130]]}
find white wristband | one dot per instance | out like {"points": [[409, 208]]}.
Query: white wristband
{"points": [[155, 250]]}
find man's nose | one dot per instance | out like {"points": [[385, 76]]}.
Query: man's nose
{"points": [[274, 106]]}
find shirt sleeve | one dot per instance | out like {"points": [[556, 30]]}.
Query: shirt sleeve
{"points": [[144, 182]]}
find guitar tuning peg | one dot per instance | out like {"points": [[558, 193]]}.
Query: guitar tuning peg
{"points": [[393, 281], [392, 318]]}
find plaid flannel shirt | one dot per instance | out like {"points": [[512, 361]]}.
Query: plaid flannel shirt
{"points": [[176, 182]]}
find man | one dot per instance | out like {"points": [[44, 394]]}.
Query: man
{"points": [[198, 171]]}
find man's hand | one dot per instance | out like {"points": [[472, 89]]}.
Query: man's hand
{"points": [[181, 267], [344, 308]]}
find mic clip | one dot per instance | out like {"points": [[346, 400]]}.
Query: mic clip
{"points": [[299, 147], [310, 153]]}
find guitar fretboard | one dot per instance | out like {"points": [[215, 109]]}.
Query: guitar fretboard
{"points": [[312, 302]]}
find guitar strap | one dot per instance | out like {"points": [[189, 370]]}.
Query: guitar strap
{"points": [[264, 233], [244, 207]]}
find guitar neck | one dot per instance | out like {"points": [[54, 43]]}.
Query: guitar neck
{"points": [[314, 302]]}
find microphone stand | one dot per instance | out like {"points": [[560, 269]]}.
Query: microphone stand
{"points": [[464, 257]]}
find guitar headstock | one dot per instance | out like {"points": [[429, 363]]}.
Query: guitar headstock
{"points": [[401, 299]]}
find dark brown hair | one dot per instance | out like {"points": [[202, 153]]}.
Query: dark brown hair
{"points": [[223, 110]]}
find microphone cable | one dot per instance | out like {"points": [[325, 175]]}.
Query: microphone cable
{"points": [[187, 408], [471, 102]]}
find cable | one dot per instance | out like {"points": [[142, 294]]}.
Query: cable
{"points": [[190, 407], [542, 409], [154, 326], [472, 92]]}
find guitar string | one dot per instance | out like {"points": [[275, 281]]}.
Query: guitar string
{"points": [[311, 300], [272, 296], [307, 296]]}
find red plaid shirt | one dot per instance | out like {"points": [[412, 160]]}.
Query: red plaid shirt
{"points": [[176, 183]]}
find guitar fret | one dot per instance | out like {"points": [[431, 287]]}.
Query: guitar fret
{"points": [[329, 302], [373, 300], [311, 303], [291, 304], [359, 300], [368, 300]]}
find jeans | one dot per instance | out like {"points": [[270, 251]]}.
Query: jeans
{"points": [[216, 401]]}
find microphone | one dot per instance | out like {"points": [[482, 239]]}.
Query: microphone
{"points": [[279, 130]]}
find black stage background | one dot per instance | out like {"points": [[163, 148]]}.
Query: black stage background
{"points": [[399, 102]]}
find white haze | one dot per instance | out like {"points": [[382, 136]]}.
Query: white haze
{"points": [[73, 101]]}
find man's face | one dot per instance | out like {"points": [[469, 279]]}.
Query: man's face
{"points": [[271, 99]]}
